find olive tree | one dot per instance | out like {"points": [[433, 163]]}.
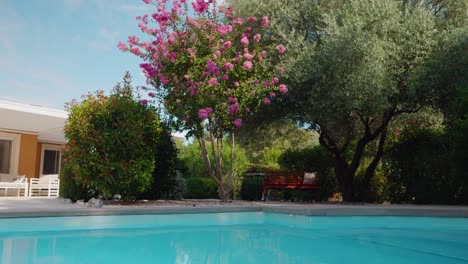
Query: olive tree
{"points": [[354, 68]]}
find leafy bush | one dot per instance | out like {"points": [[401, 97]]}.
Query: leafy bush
{"points": [[315, 159], [111, 142], [201, 188], [379, 185], [69, 188], [458, 135], [422, 167], [271, 156], [165, 183], [191, 164]]}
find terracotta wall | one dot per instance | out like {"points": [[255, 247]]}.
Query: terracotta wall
{"points": [[38, 159], [27, 156], [29, 162]]}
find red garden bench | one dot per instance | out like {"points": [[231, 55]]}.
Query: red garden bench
{"points": [[289, 180]]}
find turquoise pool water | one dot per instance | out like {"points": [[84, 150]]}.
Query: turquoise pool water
{"points": [[233, 238]]}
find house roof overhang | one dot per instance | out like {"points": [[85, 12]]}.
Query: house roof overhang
{"points": [[46, 123]]}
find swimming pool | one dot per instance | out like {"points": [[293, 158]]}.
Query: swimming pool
{"points": [[250, 237]]}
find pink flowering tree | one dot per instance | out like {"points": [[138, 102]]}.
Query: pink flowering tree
{"points": [[210, 69]]}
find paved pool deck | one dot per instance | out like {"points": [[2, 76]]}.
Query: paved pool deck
{"points": [[42, 207]]}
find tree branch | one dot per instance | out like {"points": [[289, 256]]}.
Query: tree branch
{"points": [[375, 161]]}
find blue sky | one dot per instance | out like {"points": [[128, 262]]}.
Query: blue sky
{"points": [[52, 51]]}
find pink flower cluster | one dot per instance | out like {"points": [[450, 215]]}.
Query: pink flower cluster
{"points": [[283, 89], [201, 6], [233, 109], [280, 48], [149, 70], [204, 112], [212, 67], [237, 122], [247, 65]]}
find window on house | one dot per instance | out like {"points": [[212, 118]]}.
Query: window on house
{"points": [[51, 163], [5, 156]]}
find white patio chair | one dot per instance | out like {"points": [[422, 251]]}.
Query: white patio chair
{"points": [[20, 184], [47, 185]]}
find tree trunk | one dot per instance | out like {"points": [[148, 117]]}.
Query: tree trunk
{"points": [[222, 192], [370, 171], [345, 178], [348, 190], [231, 162]]}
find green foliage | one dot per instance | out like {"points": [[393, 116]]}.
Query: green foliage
{"points": [[356, 67], [379, 184], [265, 141], [191, 163], [422, 167], [111, 142], [200, 188], [315, 159], [449, 13], [165, 183], [293, 23], [458, 135], [271, 156], [71, 189], [429, 166], [446, 73], [364, 60]]}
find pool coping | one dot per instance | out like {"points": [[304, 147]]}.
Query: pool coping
{"points": [[312, 210]]}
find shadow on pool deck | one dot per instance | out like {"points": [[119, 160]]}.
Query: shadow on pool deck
{"points": [[41, 207]]}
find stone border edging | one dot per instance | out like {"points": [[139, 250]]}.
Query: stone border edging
{"points": [[127, 211], [317, 210]]}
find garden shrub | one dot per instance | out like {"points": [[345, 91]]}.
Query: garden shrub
{"points": [[70, 189], [271, 156], [420, 168], [112, 141], [200, 188], [314, 159], [458, 135]]}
